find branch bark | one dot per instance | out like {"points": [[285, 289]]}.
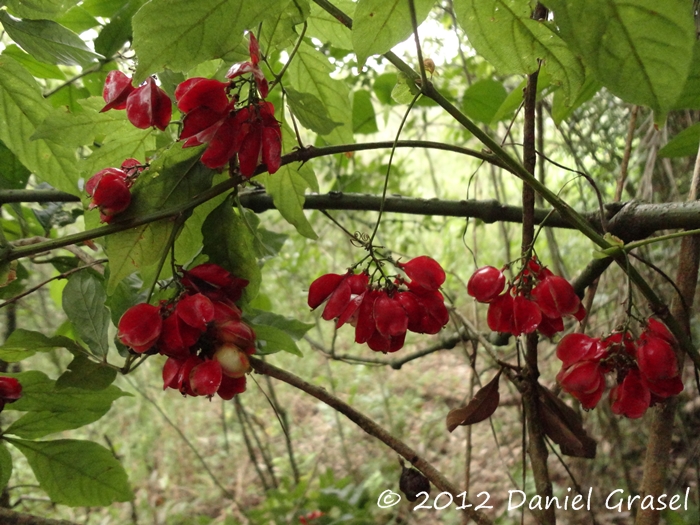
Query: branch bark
{"points": [[10, 517]]}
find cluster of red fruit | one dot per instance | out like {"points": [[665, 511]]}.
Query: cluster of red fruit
{"points": [[382, 315], [513, 311], [200, 331], [10, 391], [109, 188], [646, 368]]}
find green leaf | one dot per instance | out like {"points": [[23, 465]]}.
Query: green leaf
{"points": [[690, 97], [639, 52], [287, 188], [49, 9], [25, 343], [119, 144], [51, 409], [22, 109], [405, 90], [48, 41], [293, 327], [383, 86], [77, 19], [118, 31], [229, 243], [13, 175], [278, 27], [364, 119], [562, 111], [36, 68], [76, 473], [684, 144], [482, 100], [504, 34], [172, 180], [179, 34], [84, 303], [103, 8], [310, 73], [328, 29], [378, 25], [270, 340], [86, 374], [311, 112], [5, 466]]}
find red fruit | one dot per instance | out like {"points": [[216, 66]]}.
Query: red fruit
{"points": [[206, 274], [580, 314], [205, 378], [226, 312], [381, 343], [170, 373], [435, 314], [658, 329], [351, 310], [10, 389], [414, 310], [389, 316], [201, 125], [526, 316], [116, 90], [338, 300], [93, 181], [322, 288], [249, 154], [254, 49], [182, 380], [555, 297], [140, 327], [234, 363], [589, 401], [230, 386], [486, 284], [425, 272], [236, 333], [574, 348], [202, 93], [132, 167], [631, 398], [110, 193], [366, 326], [177, 337], [656, 359], [272, 148], [549, 327], [664, 388], [620, 342], [500, 314], [583, 377], [195, 310], [148, 106]]}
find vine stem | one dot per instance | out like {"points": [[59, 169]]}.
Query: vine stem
{"points": [[373, 429]]}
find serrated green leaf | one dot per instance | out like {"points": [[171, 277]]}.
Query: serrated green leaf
{"points": [[364, 119], [178, 34], [287, 188], [120, 144], [118, 31], [278, 27], [25, 343], [328, 29], [311, 112], [684, 144], [310, 73], [504, 34], [48, 9], [270, 340], [690, 96], [86, 374], [13, 175], [5, 466], [48, 41], [639, 52], [482, 100], [172, 180], [77, 19], [378, 25], [51, 409], [76, 473], [36, 68], [84, 303], [22, 109], [228, 242]]}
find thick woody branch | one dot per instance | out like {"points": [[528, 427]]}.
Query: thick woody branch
{"points": [[372, 428]]}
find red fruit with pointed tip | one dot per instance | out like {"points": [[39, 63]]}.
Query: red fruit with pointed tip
{"points": [[140, 327], [656, 359], [236, 333], [195, 310], [351, 310], [583, 377], [526, 316], [226, 312], [664, 388], [10, 389], [549, 327], [658, 329], [230, 386], [631, 398], [435, 314], [425, 272], [389, 316], [170, 373], [205, 378], [338, 300], [206, 274], [234, 362], [116, 90], [254, 49], [486, 284], [202, 92], [272, 148], [555, 297], [366, 326], [500, 314], [177, 337], [110, 193], [574, 348], [149, 106]]}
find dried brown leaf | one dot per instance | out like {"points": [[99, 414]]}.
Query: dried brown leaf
{"points": [[564, 426], [480, 407]]}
